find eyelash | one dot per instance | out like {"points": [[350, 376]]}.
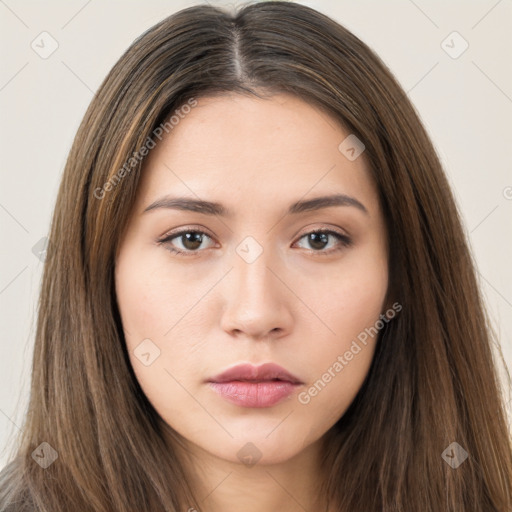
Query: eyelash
{"points": [[344, 240]]}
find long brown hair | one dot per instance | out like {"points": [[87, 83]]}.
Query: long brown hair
{"points": [[433, 379]]}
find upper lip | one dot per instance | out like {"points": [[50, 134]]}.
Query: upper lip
{"points": [[251, 373]]}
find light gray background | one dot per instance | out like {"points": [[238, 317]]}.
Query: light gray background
{"points": [[465, 104]]}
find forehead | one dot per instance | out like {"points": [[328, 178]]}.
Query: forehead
{"points": [[235, 146]]}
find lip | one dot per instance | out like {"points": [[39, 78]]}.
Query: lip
{"points": [[247, 385]]}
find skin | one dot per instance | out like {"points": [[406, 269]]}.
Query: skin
{"points": [[296, 305]]}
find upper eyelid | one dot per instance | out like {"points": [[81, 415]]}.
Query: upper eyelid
{"points": [[181, 231]]}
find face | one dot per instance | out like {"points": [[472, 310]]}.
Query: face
{"points": [[266, 275]]}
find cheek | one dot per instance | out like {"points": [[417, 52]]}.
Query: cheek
{"points": [[338, 380], [348, 299], [154, 311], [150, 300], [351, 308], [142, 305]]}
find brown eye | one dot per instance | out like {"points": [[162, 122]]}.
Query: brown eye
{"points": [[186, 241], [191, 241], [320, 240]]}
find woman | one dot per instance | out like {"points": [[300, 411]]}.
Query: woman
{"points": [[258, 293]]}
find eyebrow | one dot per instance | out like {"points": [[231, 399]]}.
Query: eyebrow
{"points": [[213, 208]]}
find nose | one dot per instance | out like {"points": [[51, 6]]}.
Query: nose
{"points": [[257, 300]]}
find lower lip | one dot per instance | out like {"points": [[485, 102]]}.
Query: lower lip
{"points": [[254, 394]]}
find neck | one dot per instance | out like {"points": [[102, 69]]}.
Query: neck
{"points": [[222, 485]]}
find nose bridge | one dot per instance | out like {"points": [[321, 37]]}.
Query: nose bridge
{"points": [[254, 277], [254, 281], [255, 300]]}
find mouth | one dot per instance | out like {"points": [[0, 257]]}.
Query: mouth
{"points": [[254, 394], [267, 372], [246, 385]]}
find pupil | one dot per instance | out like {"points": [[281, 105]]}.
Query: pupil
{"points": [[192, 241], [318, 240]]}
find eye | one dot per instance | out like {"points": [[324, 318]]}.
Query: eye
{"points": [[189, 241], [320, 239]]}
